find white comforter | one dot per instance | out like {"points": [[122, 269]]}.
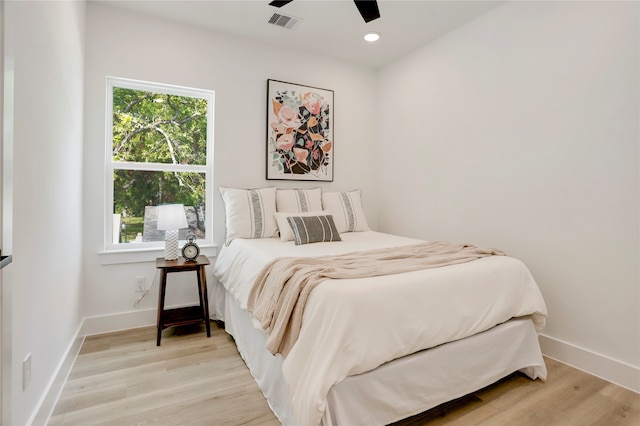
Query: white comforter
{"points": [[353, 326]]}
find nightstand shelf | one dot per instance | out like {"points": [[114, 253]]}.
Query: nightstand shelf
{"points": [[198, 314], [181, 316]]}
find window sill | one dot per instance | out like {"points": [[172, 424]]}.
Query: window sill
{"points": [[116, 257]]}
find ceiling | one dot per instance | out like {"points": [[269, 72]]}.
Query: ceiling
{"points": [[331, 28]]}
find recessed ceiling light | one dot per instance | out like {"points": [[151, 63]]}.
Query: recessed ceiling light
{"points": [[371, 37]]}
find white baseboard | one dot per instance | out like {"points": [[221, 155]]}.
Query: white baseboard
{"points": [[122, 321], [117, 322], [611, 370], [48, 401]]}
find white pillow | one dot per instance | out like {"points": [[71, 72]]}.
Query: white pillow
{"points": [[299, 200], [249, 213], [313, 229], [286, 234], [347, 211]]}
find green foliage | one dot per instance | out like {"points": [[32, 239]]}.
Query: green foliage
{"points": [[135, 189], [133, 226], [157, 128]]}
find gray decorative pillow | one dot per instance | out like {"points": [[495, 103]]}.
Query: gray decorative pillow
{"points": [[286, 233], [313, 229]]}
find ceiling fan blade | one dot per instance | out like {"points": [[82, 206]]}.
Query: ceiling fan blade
{"points": [[368, 9], [279, 3]]}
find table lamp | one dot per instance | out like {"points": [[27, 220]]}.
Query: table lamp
{"points": [[171, 218]]}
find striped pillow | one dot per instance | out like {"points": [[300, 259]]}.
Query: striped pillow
{"points": [[286, 234], [299, 200], [313, 229], [249, 213], [347, 211]]}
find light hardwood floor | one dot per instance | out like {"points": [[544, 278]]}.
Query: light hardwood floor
{"points": [[123, 378]]}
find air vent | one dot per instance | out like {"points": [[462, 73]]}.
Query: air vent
{"points": [[284, 21]]}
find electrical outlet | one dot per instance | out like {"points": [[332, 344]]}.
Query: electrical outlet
{"points": [[26, 372], [141, 285]]}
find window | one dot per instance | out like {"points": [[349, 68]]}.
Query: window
{"points": [[159, 151]]}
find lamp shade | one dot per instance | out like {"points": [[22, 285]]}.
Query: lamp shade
{"points": [[171, 217]]}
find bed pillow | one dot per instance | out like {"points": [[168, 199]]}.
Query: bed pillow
{"points": [[298, 200], [286, 234], [347, 211], [313, 229], [249, 213]]}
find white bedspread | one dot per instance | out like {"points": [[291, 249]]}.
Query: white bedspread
{"points": [[353, 326]]}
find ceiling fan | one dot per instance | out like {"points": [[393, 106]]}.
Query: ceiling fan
{"points": [[367, 8]]}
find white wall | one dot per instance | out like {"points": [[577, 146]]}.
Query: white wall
{"points": [[125, 44], [45, 44], [521, 130]]}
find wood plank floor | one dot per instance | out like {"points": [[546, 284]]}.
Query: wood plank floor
{"points": [[123, 378]]}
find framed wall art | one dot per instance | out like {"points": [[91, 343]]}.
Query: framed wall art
{"points": [[300, 140]]}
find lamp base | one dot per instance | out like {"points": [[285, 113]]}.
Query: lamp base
{"points": [[171, 251]]}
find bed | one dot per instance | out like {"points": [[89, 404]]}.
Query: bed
{"points": [[375, 350]]}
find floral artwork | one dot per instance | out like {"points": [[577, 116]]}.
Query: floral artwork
{"points": [[299, 132]]}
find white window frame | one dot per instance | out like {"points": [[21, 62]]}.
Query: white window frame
{"points": [[111, 166]]}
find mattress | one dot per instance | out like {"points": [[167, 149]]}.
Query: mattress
{"points": [[351, 327]]}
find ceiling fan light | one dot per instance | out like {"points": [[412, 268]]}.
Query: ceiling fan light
{"points": [[372, 36]]}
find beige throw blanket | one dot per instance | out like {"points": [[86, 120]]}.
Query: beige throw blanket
{"points": [[279, 295]]}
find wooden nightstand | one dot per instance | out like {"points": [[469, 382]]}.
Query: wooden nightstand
{"points": [[186, 315]]}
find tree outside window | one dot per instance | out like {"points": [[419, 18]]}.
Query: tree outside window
{"points": [[159, 152]]}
